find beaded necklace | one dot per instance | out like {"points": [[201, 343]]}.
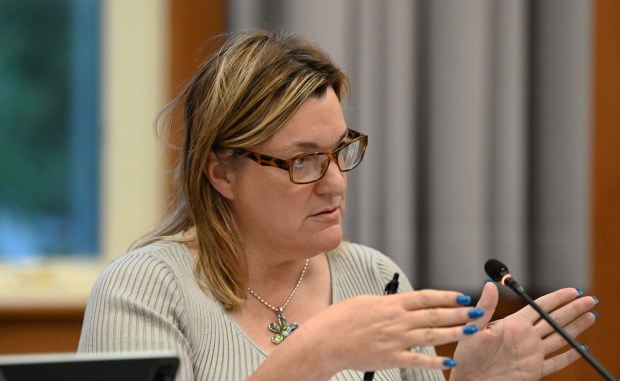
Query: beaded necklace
{"points": [[280, 328]]}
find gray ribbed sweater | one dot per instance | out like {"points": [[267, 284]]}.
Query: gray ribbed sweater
{"points": [[148, 300]]}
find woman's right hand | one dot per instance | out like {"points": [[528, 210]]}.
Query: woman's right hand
{"points": [[378, 332]]}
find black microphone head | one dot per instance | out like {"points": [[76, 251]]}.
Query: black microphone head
{"points": [[495, 269]]}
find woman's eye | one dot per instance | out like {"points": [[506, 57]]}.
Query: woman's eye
{"points": [[299, 163]]}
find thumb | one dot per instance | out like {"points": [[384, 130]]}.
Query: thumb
{"points": [[488, 302]]}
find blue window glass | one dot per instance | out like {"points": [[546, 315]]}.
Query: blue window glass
{"points": [[49, 128]]}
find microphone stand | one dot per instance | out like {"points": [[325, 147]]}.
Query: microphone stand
{"points": [[518, 289]]}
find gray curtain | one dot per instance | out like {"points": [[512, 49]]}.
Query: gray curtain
{"points": [[478, 113]]}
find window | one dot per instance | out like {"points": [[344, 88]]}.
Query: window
{"points": [[49, 97], [90, 166]]}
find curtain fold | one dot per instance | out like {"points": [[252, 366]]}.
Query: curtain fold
{"points": [[478, 113]]}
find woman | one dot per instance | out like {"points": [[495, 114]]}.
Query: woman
{"points": [[249, 277]]}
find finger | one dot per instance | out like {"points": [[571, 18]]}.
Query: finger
{"points": [[555, 341], [415, 359], [565, 314], [560, 362], [549, 302], [437, 336], [416, 300], [444, 317], [488, 302]]}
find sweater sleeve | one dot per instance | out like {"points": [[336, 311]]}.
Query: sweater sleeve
{"points": [[136, 305]]}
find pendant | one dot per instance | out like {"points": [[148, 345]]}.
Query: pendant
{"points": [[281, 329]]}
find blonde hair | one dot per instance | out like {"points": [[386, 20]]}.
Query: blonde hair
{"points": [[240, 97]]}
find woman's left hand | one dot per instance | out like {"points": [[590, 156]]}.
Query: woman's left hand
{"points": [[519, 346]]}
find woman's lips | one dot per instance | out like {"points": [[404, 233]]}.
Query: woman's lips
{"points": [[328, 215]]}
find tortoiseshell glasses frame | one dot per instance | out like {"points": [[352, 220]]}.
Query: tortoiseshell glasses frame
{"points": [[311, 167]]}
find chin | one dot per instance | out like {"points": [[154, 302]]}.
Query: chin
{"points": [[329, 239]]}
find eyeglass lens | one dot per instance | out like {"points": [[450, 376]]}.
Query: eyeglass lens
{"points": [[312, 167]]}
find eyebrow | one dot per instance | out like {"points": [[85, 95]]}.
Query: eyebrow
{"points": [[315, 145]]}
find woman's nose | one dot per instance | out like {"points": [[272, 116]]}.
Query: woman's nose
{"points": [[334, 181]]}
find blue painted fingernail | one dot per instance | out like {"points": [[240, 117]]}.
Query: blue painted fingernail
{"points": [[585, 347], [580, 291], [476, 313], [470, 329], [450, 363], [595, 300], [463, 300], [488, 280], [595, 314]]}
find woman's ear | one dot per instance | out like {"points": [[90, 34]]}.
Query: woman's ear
{"points": [[220, 176]]}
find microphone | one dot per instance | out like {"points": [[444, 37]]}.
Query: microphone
{"points": [[499, 273]]}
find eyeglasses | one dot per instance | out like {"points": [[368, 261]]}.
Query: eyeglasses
{"points": [[311, 167]]}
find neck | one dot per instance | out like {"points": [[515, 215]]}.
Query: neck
{"points": [[275, 275], [274, 282]]}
